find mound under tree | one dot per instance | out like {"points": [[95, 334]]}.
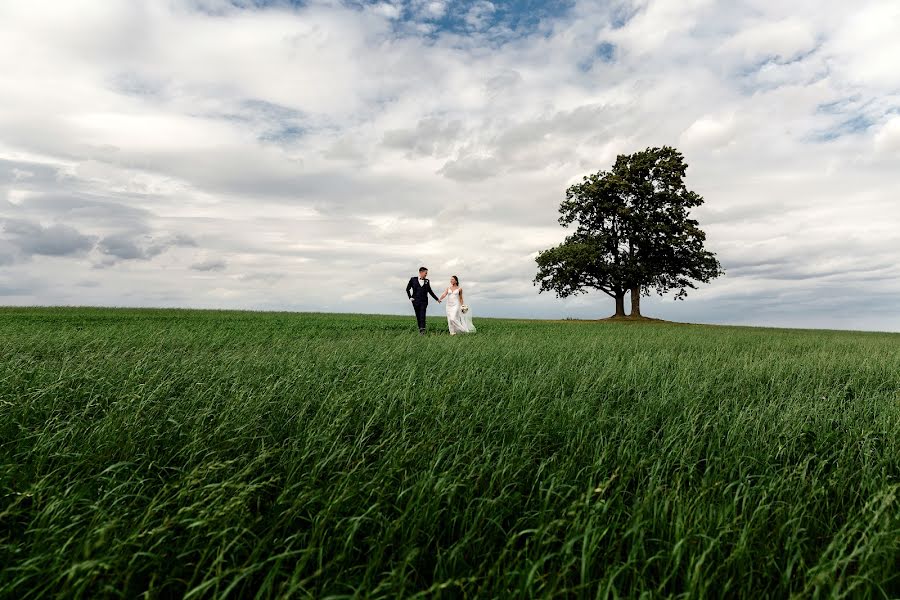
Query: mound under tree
{"points": [[632, 232]]}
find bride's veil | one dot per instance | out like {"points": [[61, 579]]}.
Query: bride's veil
{"points": [[466, 319]]}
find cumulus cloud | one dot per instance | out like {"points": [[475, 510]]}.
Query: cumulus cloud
{"points": [[126, 247], [390, 11], [478, 13], [783, 40], [431, 137], [312, 143], [863, 47], [887, 139], [471, 168], [210, 264], [434, 9], [52, 240], [709, 132]]}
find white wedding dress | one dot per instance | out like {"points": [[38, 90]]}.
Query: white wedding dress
{"points": [[457, 321]]}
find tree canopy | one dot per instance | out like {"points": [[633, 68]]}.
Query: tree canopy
{"points": [[632, 232]]}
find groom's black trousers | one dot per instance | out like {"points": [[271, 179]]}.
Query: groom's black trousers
{"points": [[420, 308]]}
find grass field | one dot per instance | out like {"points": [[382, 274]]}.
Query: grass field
{"points": [[229, 454]]}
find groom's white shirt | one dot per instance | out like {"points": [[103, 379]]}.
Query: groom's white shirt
{"points": [[421, 282]]}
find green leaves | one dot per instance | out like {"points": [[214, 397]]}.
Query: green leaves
{"points": [[571, 267], [632, 231]]}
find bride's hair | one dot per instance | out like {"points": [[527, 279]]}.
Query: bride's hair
{"points": [[456, 278]]}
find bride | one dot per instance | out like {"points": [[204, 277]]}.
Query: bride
{"points": [[457, 320]]}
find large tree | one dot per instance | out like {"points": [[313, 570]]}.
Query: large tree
{"points": [[632, 232], [668, 245], [596, 255]]}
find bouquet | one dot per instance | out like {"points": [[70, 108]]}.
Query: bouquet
{"points": [[464, 308]]}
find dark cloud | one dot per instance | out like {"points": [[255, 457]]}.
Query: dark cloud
{"points": [[122, 247], [812, 306], [55, 196], [26, 174], [431, 137], [263, 277], [54, 240], [12, 289], [784, 270], [213, 264], [88, 208], [129, 247], [7, 253]]}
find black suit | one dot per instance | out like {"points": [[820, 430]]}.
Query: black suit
{"points": [[419, 297]]}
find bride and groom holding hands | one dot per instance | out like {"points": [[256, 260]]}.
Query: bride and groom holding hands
{"points": [[459, 319]]}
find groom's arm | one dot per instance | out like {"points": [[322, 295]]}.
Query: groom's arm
{"points": [[409, 287], [432, 293]]}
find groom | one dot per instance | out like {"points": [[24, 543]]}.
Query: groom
{"points": [[420, 288]]}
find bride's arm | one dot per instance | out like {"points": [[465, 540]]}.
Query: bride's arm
{"points": [[461, 301], [444, 295]]}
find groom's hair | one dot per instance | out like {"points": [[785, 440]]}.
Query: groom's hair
{"points": [[422, 269]]}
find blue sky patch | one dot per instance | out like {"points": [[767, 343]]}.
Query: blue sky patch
{"points": [[282, 135], [519, 17], [604, 52], [622, 14], [851, 126], [838, 107]]}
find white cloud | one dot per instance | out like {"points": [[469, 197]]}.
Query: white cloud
{"points": [[656, 23], [709, 132], [217, 154], [390, 11], [435, 9], [783, 40], [887, 140], [866, 45], [478, 14]]}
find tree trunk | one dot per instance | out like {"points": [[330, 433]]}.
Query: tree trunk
{"points": [[620, 305], [636, 302]]}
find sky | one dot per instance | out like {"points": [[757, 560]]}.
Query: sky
{"points": [[310, 156]]}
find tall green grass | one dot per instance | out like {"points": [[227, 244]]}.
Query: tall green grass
{"points": [[222, 454]]}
